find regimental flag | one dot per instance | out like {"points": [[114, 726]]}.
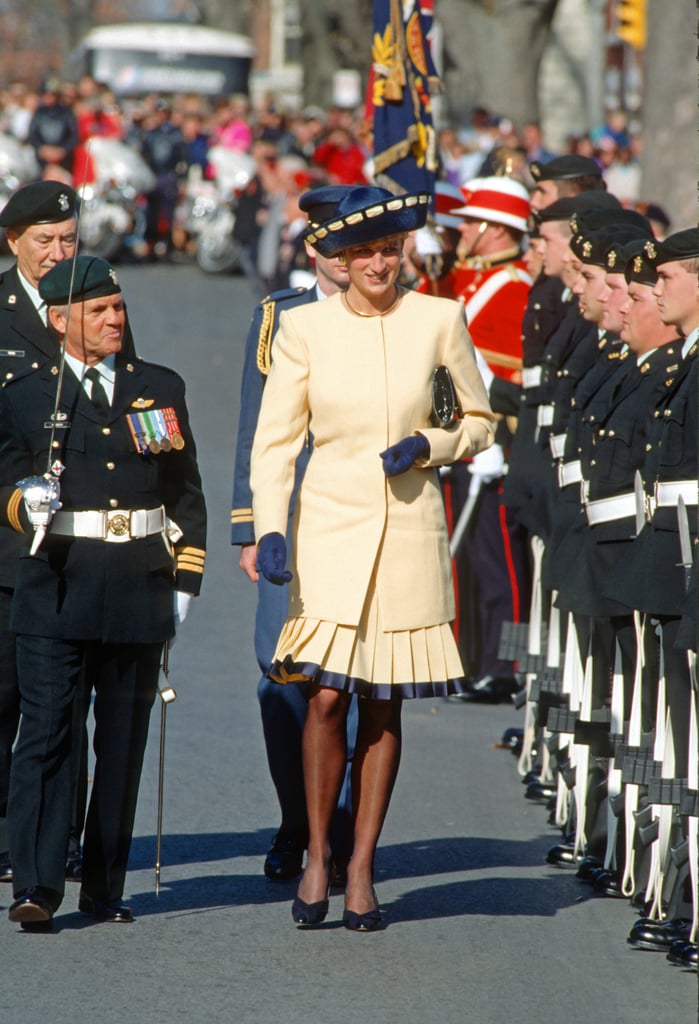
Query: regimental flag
{"points": [[402, 80]]}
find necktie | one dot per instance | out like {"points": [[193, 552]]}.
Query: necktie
{"points": [[98, 395]]}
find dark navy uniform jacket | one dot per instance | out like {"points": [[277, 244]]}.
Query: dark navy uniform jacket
{"points": [[650, 578], [264, 323], [83, 589], [25, 343]]}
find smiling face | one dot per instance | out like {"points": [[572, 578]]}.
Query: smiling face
{"points": [[372, 269], [95, 328]]}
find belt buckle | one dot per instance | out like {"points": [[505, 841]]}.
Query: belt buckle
{"points": [[118, 524]]}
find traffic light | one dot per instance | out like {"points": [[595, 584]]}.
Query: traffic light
{"points": [[631, 15]]}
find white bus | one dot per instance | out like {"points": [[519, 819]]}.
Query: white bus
{"points": [[134, 59]]}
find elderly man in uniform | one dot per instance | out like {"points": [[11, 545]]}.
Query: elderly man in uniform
{"points": [[118, 550], [40, 224], [283, 708]]}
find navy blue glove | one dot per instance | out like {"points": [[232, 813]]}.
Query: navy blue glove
{"points": [[271, 558], [400, 457]]}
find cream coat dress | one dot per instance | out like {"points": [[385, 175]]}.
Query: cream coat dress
{"points": [[371, 597]]}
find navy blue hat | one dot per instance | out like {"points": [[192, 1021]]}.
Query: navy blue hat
{"points": [[320, 203], [42, 202], [568, 206], [562, 168], [93, 278], [366, 214], [683, 245]]}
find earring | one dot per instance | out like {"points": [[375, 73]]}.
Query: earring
{"points": [[341, 258]]}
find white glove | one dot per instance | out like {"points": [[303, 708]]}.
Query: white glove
{"points": [[484, 370], [41, 496], [182, 602], [489, 465]]}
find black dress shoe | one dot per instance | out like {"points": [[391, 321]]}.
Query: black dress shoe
{"points": [[684, 954], [34, 908], [540, 791], [563, 856], [658, 936], [588, 868], [284, 859], [607, 883], [114, 911], [5, 867], [74, 866], [489, 690]]}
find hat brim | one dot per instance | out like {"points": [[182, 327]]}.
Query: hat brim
{"points": [[393, 216]]}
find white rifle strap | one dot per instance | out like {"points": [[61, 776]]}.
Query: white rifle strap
{"points": [[524, 762], [693, 783], [628, 882], [582, 767], [663, 738], [614, 774]]}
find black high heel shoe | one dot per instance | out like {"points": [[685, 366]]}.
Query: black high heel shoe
{"points": [[309, 913], [368, 922]]}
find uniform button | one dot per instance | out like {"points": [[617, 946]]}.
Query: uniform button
{"points": [[592, 419], [649, 447], [113, 503], [111, 465], [55, 444], [668, 412], [611, 433], [9, 376], [35, 366], [593, 462], [656, 413], [106, 430], [602, 432]]}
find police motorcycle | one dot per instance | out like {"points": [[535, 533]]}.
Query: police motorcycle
{"points": [[113, 195], [18, 166], [212, 215]]}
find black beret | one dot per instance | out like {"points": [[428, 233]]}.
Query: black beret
{"points": [[93, 278], [563, 167], [637, 267], [683, 245], [319, 204], [601, 219], [622, 235], [568, 206], [591, 248], [42, 202]]}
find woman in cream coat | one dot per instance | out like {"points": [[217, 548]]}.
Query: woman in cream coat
{"points": [[371, 595]]}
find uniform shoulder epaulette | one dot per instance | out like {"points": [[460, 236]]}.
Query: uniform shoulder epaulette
{"points": [[264, 338], [166, 370]]}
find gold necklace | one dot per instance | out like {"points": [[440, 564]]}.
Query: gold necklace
{"points": [[384, 312]]}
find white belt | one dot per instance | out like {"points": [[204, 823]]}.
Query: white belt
{"points": [[544, 416], [570, 473], [115, 525], [667, 495], [531, 376], [606, 510], [557, 443]]}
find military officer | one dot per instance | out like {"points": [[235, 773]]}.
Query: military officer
{"points": [[40, 222], [282, 708], [117, 553]]}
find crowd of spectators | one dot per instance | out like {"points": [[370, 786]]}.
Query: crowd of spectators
{"points": [[286, 154]]}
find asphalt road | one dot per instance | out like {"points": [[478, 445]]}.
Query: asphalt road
{"points": [[478, 928]]}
